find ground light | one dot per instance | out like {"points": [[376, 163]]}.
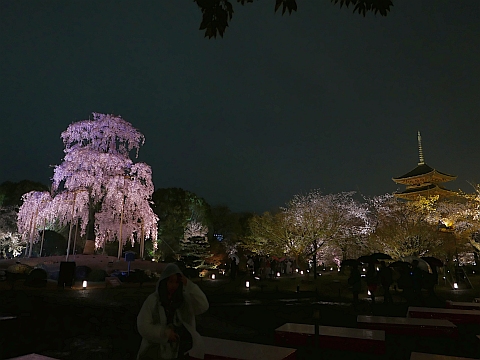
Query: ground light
{"points": [[278, 274], [369, 293], [455, 285], [84, 284], [213, 276], [301, 272], [247, 284]]}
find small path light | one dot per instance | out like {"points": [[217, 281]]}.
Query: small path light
{"points": [[278, 274], [455, 285], [84, 284], [213, 276], [301, 272], [247, 284]]}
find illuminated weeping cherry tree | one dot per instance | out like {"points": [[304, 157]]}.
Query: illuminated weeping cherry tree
{"points": [[99, 187], [32, 214]]}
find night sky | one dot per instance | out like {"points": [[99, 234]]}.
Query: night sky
{"points": [[322, 99]]}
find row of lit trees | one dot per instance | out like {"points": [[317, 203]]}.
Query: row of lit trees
{"points": [[332, 227], [101, 191]]}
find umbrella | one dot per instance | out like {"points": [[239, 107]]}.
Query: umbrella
{"points": [[350, 262], [433, 261], [399, 264], [367, 259], [381, 256], [422, 264], [235, 257]]}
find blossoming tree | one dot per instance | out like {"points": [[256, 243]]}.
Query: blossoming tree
{"points": [[99, 187], [10, 240], [320, 220], [31, 214]]}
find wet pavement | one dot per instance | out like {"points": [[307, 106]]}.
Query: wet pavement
{"points": [[100, 322]]}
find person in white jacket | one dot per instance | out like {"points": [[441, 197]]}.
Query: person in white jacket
{"points": [[165, 312]]}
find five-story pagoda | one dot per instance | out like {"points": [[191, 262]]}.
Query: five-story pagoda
{"points": [[423, 181]]}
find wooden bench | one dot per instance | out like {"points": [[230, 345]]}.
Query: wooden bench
{"points": [[423, 356], [463, 305], [221, 349], [456, 316], [408, 326], [331, 337]]}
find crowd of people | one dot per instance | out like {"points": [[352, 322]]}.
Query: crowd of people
{"points": [[264, 267], [410, 279]]}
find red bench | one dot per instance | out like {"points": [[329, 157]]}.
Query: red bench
{"points": [[221, 349], [423, 356], [456, 316], [463, 305], [332, 337], [408, 326]]}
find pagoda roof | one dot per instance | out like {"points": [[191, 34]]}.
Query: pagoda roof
{"points": [[411, 193], [424, 171]]}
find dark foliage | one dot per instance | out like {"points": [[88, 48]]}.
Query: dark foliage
{"points": [[217, 13], [11, 192]]}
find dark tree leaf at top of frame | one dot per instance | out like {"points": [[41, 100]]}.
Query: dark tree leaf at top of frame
{"points": [[216, 14]]}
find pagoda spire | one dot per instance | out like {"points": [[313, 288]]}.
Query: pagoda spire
{"points": [[420, 150]]}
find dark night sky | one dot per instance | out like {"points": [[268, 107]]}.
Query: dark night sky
{"points": [[321, 99]]}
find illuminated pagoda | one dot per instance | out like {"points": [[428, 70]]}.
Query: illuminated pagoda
{"points": [[423, 180]]}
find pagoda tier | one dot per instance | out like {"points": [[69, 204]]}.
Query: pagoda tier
{"points": [[423, 174], [423, 180], [414, 192]]}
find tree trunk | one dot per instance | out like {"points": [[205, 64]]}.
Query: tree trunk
{"points": [[315, 247], [89, 248]]}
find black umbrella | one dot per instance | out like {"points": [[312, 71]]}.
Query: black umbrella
{"points": [[367, 259], [399, 264], [433, 261], [350, 262], [381, 256]]}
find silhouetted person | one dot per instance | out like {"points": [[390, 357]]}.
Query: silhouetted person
{"points": [[386, 279], [372, 280], [417, 282], [233, 269], [355, 281]]}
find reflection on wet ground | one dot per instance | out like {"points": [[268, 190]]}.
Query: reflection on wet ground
{"points": [[100, 323]]}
